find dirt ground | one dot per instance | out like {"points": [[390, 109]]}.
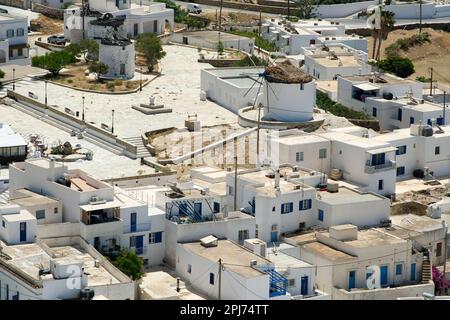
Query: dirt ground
{"points": [[233, 17], [47, 25], [435, 54], [416, 202], [75, 77]]}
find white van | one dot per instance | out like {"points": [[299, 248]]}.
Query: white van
{"points": [[194, 8]]}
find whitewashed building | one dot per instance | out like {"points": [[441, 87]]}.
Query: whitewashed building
{"points": [[17, 225], [366, 264], [334, 60], [127, 22], [102, 215], [354, 92], [244, 276], [13, 146], [292, 37], [13, 38]]}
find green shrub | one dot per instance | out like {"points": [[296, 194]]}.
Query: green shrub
{"points": [[110, 86], [118, 82], [325, 103], [69, 81], [400, 66], [422, 79]]}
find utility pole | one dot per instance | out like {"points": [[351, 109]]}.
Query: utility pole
{"points": [[289, 10], [46, 93], [257, 133], [431, 81], [220, 22], [420, 17], [112, 121], [14, 79], [220, 279], [443, 116], [83, 13], [235, 182], [259, 29], [82, 111]]}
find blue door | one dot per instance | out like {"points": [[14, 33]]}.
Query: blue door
{"points": [[413, 272], [198, 208], [274, 236], [351, 279], [304, 286], [133, 222], [139, 244], [384, 275], [23, 231]]}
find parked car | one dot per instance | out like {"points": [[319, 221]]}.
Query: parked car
{"points": [[57, 39], [194, 8]]}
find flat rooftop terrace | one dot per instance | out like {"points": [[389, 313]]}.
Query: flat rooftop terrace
{"points": [[213, 36], [346, 195], [27, 198], [237, 257]]}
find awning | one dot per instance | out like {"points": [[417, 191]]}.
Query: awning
{"points": [[101, 206], [366, 87], [381, 150]]}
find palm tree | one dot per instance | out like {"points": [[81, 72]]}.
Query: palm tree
{"points": [[387, 23]]}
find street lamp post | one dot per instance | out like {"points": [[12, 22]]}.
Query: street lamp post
{"points": [[82, 111], [14, 79], [112, 122], [45, 93], [140, 83]]}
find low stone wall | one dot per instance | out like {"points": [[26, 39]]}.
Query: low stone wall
{"points": [[369, 124], [15, 3], [220, 63], [246, 6], [48, 11]]}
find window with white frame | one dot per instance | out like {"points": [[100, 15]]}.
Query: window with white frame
{"points": [[10, 33], [322, 153], [299, 156]]}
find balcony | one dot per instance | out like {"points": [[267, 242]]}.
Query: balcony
{"points": [[140, 227], [140, 250], [380, 167], [106, 228]]}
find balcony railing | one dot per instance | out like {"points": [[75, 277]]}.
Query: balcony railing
{"points": [[380, 167], [140, 250], [137, 227]]}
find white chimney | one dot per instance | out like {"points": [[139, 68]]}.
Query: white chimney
{"points": [[51, 169], [277, 179]]}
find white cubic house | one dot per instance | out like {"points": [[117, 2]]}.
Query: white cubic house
{"points": [[13, 38]]}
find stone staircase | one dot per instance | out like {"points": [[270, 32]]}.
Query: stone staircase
{"points": [[142, 151], [426, 270]]}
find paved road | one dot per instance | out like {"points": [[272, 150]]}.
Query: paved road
{"points": [[21, 12], [213, 9]]}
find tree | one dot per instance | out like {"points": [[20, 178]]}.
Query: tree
{"points": [[387, 23], [99, 68], [400, 66], [2, 74], [306, 8], [150, 46], [90, 48], [220, 48], [53, 61], [73, 50], [129, 263]]}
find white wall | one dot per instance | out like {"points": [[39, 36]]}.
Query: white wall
{"points": [[115, 56]]}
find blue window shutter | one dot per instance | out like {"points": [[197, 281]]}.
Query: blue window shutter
{"points": [[309, 203], [282, 208], [158, 237], [291, 206]]}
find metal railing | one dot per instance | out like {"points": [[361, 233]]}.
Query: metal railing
{"points": [[139, 227], [372, 168]]}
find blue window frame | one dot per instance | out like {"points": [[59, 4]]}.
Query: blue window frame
{"points": [[380, 185], [305, 204], [384, 275], [429, 122], [320, 215], [400, 150], [413, 272], [411, 120], [399, 114], [398, 269], [374, 112], [211, 278], [3, 224], [158, 237], [400, 171], [216, 207], [379, 158], [440, 121], [351, 279], [287, 207]]}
